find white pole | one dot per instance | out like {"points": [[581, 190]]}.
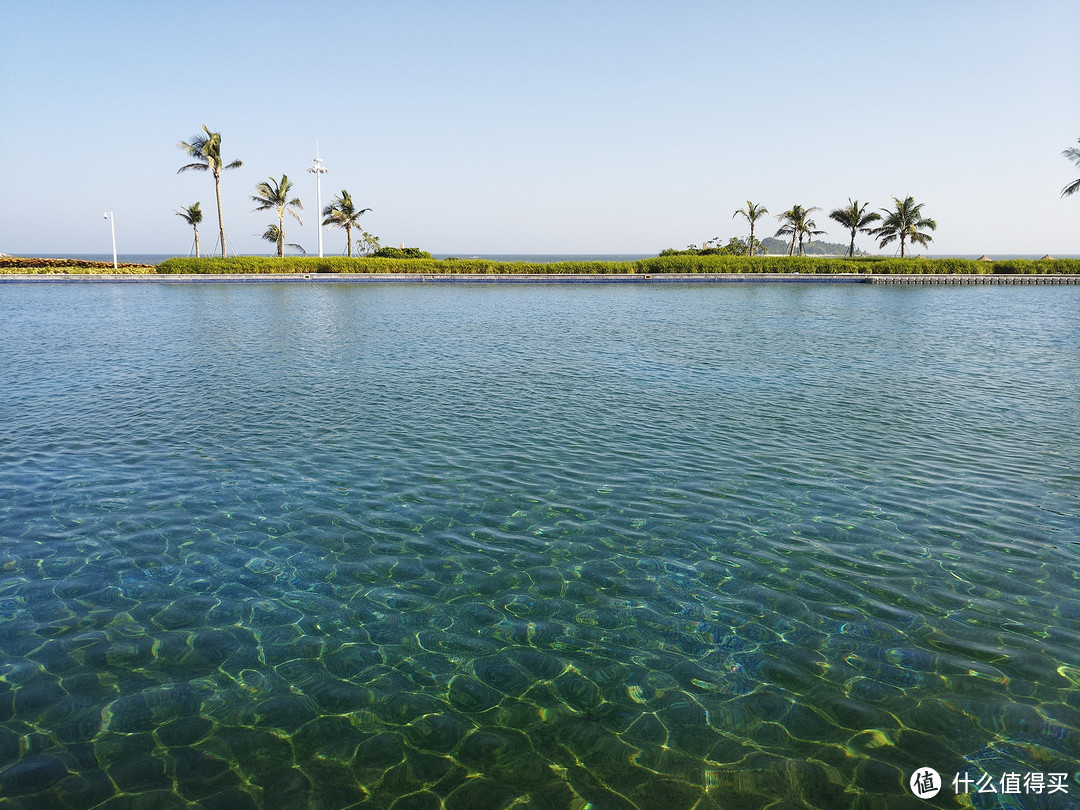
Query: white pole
{"points": [[318, 170], [112, 222], [318, 204]]}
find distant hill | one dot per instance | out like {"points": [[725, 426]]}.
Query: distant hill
{"points": [[780, 247]]}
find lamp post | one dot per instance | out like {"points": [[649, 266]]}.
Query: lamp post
{"points": [[318, 170], [112, 222]]}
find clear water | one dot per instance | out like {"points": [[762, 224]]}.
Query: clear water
{"points": [[550, 546]]}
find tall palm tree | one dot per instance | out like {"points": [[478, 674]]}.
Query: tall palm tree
{"points": [[272, 195], [753, 212], [903, 223], [192, 215], [206, 151], [856, 219], [341, 213], [797, 223], [1073, 154]]}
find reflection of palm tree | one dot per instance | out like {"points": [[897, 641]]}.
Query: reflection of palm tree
{"points": [[274, 196], [206, 150], [904, 223], [753, 212], [192, 215], [797, 223], [1073, 154], [855, 219], [341, 213]]}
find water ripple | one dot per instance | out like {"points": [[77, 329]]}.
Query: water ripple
{"points": [[680, 547]]}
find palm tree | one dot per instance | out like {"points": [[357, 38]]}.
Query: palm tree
{"points": [[797, 223], [206, 150], [1072, 154], [273, 234], [855, 219], [274, 196], [904, 223], [753, 212], [341, 213], [192, 215]]}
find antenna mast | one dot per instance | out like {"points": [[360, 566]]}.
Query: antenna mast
{"points": [[318, 170]]}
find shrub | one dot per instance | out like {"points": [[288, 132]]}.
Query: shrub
{"points": [[677, 263], [401, 253], [17, 265]]}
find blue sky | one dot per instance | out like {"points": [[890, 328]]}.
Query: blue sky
{"points": [[542, 127]]}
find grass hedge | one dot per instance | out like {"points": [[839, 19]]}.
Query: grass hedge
{"points": [[249, 265], [658, 264], [372, 264]]}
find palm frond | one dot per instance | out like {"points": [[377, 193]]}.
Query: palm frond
{"points": [[341, 212], [207, 150], [753, 211], [274, 194], [1073, 154], [196, 148], [191, 214]]}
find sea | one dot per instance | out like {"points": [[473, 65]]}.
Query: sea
{"points": [[550, 546]]}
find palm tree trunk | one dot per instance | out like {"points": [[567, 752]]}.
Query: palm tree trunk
{"points": [[851, 250], [750, 248], [901, 246], [791, 250], [348, 236], [220, 223], [281, 235], [196, 227]]}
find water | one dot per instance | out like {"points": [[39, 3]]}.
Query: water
{"points": [[554, 547]]}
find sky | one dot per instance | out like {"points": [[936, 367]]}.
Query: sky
{"points": [[541, 127]]}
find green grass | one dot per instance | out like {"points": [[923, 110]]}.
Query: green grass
{"points": [[658, 264], [254, 265]]}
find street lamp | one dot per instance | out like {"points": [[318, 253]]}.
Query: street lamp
{"points": [[318, 170], [112, 221]]}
